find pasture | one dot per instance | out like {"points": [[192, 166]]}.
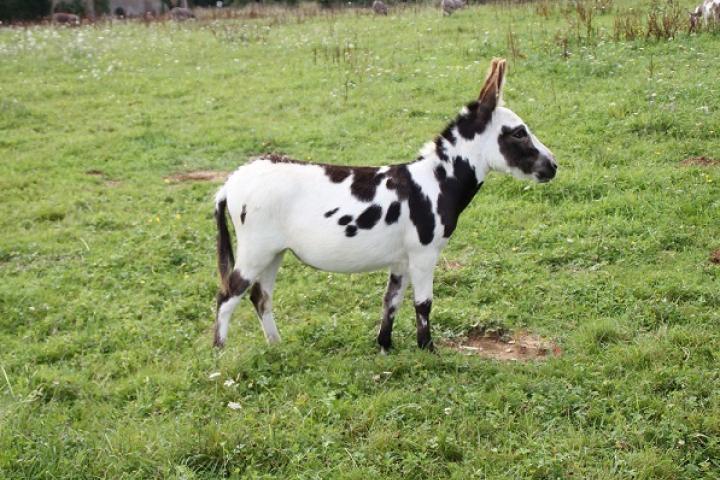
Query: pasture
{"points": [[107, 251]]}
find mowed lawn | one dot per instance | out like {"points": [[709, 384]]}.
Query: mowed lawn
{"points": [[107, 267]]}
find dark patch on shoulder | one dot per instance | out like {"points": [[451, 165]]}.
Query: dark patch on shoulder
{"points": [[440, 173], [351, 230], [393, 213], [345, 219], [369, 217], [365, 182], [399, 180], [456, 192], [336, 173], [332, 212], [243, 213], [421, 213]]}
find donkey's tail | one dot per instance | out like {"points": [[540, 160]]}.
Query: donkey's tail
{"points": [[226, 261]]}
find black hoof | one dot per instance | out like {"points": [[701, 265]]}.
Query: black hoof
{"points": [[385, 343], [426, 344]]}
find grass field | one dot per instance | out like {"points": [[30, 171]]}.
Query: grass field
{"points": [[108, 273]]}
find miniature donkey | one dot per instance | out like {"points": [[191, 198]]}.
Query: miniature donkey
{"points": [[355, 219]]}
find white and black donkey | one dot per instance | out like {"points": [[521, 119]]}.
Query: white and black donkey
{"points": [[358, 219]]}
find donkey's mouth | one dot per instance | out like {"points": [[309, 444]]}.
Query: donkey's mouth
{"points": [[544, 178]]}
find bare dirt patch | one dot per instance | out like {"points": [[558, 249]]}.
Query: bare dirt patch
{"points": [[715, 256], [701, 161], [501, 345], [198, 176]]}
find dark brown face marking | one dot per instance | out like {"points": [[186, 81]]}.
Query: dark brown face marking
{"points": [[422, 319], [393, 288], [517, 148], [332, 212], [243, 214], [393, 213], [350, 231], [345, 219], [369, 217], [456, 192]]}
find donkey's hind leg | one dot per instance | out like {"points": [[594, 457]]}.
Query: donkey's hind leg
{"points": [[397, 282], [227, 300], [249, 266], [261, 297]]}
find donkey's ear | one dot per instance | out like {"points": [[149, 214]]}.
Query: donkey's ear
{"points": [[491, 93]]}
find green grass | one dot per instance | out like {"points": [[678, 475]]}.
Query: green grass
{"points": [[108, 280]]}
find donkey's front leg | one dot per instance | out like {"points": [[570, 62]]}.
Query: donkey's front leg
{"points": [[391, 303], [421, 275]]}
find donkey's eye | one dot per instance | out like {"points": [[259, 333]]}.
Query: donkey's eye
{"points": [[520, 132]]}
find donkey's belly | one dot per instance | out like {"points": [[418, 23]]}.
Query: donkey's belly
{"points": [[347, 255]]}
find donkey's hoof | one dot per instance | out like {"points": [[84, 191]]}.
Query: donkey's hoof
{"points": [[384, 351], [428, 345]]}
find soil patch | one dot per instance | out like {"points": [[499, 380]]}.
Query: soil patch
{"points": [[198, 176], [501, 345], [715, 256], [701, 162]]}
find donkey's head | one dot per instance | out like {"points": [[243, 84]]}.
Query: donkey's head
{"points": [[504, 142]]}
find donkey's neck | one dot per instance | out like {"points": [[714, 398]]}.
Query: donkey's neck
{"points": [[458, 171]]}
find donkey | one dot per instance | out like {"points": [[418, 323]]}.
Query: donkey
{"points": [[357, 219], [708, 11], [379, 7]]}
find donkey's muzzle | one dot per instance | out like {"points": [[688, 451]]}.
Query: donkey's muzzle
{"points": [[547, 170]]}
